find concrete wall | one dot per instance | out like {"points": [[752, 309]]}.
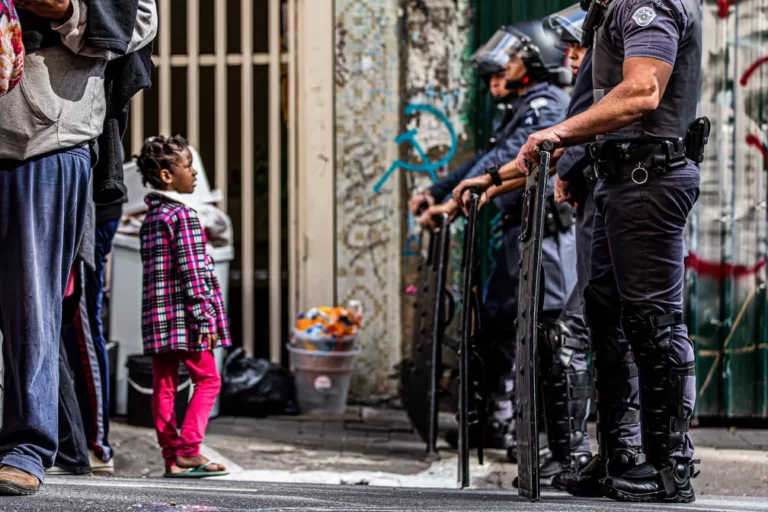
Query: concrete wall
{"points": [[399, 69]]}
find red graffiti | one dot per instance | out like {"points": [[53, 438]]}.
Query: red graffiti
{"points": [[754, 141], [721, 270], [723, 6], [751, 69]]}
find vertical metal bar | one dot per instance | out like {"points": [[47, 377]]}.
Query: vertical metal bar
{"points": [[465, 347], [732, 307], [164, 66], [275, 224], [292, 177], [438, 328], [246, 199], [220, 119], [763, 338], [193, 73], [137, 124]]}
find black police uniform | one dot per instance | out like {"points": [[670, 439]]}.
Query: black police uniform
{"points": [[645, 191]]}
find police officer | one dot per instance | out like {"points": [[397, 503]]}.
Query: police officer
{"points": [[564, 375], [646, 73], [535, 70], [563, 360], [490, 69], [491, 72]]}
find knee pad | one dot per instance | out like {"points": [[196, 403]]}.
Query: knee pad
{"points": [[649, 326], [559, 344]]}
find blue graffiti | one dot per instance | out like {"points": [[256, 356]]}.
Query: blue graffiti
{"points": [[410, 137]]}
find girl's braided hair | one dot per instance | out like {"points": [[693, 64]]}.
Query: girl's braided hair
{"points": [[158, 153]]}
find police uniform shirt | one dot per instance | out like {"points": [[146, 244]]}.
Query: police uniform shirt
{"points": [[657, 29], [443, 188], [541, 107], [649, 28]]}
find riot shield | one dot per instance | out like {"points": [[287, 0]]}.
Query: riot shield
{"points": [[439, 322], [531, 289], [413, 379], [472, 406], [420, 376]]}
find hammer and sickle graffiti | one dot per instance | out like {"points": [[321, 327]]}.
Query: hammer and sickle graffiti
{"points": [[410, 136]]}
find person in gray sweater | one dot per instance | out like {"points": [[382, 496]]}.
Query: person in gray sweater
{"points": [[46, 125]]}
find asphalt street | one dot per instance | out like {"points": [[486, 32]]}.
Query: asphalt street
{"points": [[157, 495]]}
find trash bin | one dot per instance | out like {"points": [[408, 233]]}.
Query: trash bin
{"points": [[322, 379], [127, 272], [321, 344], [139, 412]]}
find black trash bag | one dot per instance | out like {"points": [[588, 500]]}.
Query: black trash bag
{"points": [[256, 387]]}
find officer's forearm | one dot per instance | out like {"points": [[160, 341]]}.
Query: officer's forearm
{"points": [[617, 110], [513, 184], [506, 187], [510, 171], [645, 80]]}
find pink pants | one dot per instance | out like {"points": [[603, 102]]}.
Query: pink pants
{"points": [[201, 367]]}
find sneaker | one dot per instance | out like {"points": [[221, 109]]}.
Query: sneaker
{"points": [[99, 467]]}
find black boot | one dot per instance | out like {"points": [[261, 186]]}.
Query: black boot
{"points": [[663, 386], [578, 461], [548, 467], [643, 483], [565, 396], [587, 483]]}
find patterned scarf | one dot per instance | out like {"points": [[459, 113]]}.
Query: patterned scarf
{"points": [[11, 47]]}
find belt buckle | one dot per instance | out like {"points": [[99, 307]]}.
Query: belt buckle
{"points": [[640, 174]]}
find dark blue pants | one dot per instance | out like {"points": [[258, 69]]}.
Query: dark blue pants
{"points": [[73, 450], [572, 315], [501, 300], [637, 274], [88, 348], [42, 209]]}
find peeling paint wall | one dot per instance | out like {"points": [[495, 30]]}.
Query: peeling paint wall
{"points": [[399, 74], [436, 75]]}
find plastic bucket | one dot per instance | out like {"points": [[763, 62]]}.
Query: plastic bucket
{"points": [[313, 344], [322, 379], [140, 392]]}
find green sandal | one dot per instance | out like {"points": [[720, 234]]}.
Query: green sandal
{"points": [[198, 472]]}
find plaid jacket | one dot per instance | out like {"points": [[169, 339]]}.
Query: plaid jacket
{"points": [[181, 298]]}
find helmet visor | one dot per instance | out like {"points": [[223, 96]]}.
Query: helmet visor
{"points": [[497, 50], [570, 20]]}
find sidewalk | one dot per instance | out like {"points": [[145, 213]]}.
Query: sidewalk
{"points": [[377, 447]]}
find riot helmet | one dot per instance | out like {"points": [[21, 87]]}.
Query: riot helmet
{"points": [[569, 23], [536, 45], [490, 65], [491, 57]]}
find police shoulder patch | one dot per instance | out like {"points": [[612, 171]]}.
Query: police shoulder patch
{"points": [[644, 16], [539, 103]]}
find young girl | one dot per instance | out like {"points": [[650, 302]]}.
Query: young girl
{"points": [[183, 317]]}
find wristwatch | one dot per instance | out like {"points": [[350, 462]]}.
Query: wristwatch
{"points": [[493, 172]]}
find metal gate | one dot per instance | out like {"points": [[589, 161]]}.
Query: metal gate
{"points": [[178, 47]]}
